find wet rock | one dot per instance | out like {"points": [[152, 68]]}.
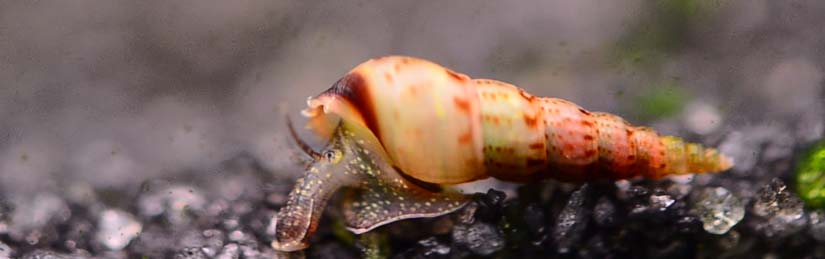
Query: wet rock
{"points": [[237, 235], [534, 217], [778, 211], [623, 189], [229, 251], [155, 241], [604, 213], [174, 202], [45, 254], [35, 218], [214, 240], [718, 209], [250, 250], [572, 220], [427, 248], [661, 202], [467, 215], [230, 223], [191, 253], [637, 192], [5, 251], [596, 247], [79, 234], [433, 247], [34, 212], [108, 255], [117, 228], [688, 224], [480, 238], [817, 221], [649, 205], [489, 205], [259, 222]]}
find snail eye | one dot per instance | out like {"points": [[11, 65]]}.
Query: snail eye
{"points": [[332, 155]]}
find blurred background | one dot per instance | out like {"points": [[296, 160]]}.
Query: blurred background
{"points": [[110, 94]]}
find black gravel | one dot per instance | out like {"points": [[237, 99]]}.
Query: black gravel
{"points": [[749, 211]]}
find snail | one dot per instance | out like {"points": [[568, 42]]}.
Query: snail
{"points": [[404, 131]]}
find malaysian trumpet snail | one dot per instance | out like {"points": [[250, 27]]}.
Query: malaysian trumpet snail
{"points": [[401, 131]]}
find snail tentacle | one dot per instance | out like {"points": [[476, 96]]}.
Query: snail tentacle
{"points": [[301, 144]]}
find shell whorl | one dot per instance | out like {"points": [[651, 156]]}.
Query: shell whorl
{"points": [[442, 127]]}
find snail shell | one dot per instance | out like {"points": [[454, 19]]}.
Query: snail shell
{"points": [[443, 127]]}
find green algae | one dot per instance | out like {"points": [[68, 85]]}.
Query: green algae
{"points": [[810, 176]]}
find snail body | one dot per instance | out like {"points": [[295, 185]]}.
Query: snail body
{"points": [[400, 125]]}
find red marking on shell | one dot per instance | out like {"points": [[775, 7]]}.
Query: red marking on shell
{"points": [[462, 104], [590, 153], [531, 121], [388, 77], [537, 145], [586, 123], [588, 137], [354, 89], [465, 138]]}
